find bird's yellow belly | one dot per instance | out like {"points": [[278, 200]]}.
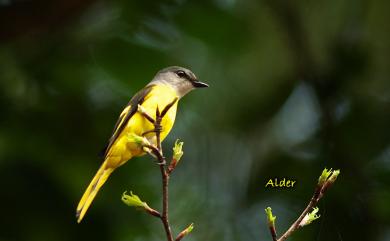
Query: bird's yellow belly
{"points": [[125, 147], [138, 125]]}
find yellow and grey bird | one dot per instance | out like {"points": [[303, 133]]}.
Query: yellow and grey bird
{"points": [[168, 85]]}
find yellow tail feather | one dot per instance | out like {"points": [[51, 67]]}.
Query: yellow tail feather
{"points": [[97, 182]]}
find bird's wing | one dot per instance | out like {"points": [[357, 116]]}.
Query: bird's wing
{"points": [[125, 116]]}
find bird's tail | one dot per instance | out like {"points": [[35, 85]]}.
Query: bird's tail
{"points": [[97, 182]]}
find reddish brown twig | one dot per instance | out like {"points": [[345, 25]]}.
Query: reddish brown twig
{"points": [[326, 180], [158, 153]]}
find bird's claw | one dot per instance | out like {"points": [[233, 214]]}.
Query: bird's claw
{"points": [[158, 129]]}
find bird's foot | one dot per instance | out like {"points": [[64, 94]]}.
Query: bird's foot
{"points": [[157, 129]]}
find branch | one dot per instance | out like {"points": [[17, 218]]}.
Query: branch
{"points": [[185, 232], [157, 152], [164, 174], [271, 223], [325, 181]]}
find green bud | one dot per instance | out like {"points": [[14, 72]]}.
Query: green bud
{"points": [[270, 218], [324, 176], [189, 228], [310, 217], [334, 176], [178, 150]]}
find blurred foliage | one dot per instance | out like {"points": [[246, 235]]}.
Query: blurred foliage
{"points": [[295, 87]]}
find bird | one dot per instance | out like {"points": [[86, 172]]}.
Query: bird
{"points": [[167, 87]]}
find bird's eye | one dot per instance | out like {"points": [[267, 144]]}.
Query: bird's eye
{"points": [[181, 74]]}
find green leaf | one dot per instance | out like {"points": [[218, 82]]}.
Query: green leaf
{"points": [[133, 200]]}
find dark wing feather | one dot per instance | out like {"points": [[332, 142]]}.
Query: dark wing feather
{"points": [[121, 123]]}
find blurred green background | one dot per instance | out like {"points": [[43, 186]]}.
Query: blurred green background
{"points": [[294, 87]]}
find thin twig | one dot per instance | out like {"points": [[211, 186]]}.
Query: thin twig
{"points": [[164, 174], [158, 152], [164, 216], [326, 180], [273, 233], [155, 152], [296, 225], [145, 114], [165, 110]]}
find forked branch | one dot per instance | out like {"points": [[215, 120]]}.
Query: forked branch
{"points": [[157, 152], [309, 214]]}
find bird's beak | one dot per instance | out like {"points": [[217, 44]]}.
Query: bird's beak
{"points": [[198, 84]]}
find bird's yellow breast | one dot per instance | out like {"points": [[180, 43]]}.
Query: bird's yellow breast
{"points": [[159, 97]]}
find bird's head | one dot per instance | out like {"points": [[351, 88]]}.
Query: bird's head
{"points": [[179, 78]]}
